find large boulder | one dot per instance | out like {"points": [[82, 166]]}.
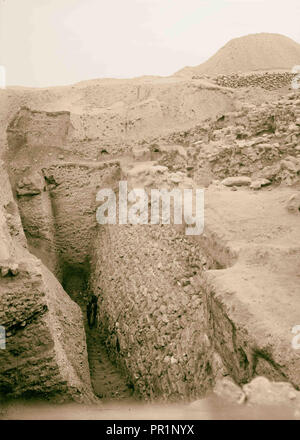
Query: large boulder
{"points": [[261, 391], [45, 354], [293, 203], [226, 389]]}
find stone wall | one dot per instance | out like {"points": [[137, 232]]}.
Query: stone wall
{"points": [[151, 309], [266, 80], [162, 320], [169, 318]]}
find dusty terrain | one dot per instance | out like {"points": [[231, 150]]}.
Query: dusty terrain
{"points": [[255, 52], [176, 314]]}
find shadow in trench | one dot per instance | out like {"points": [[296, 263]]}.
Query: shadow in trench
{"points": [[75, 282], [107, 380]]}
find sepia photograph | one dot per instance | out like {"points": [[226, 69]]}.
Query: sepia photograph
{"points": [[149, 213]]}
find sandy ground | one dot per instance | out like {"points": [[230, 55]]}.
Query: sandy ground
{"points": [[207, 409], [259, 290], [266, 238]]}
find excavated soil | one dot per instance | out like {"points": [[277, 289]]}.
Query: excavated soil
{"points": [[107, 381], [177, 315]]}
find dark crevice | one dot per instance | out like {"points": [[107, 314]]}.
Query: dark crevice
{"points": [[75, 281], [107, 380]]}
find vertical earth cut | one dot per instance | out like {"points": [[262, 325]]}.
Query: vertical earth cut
{"points": [[45, 354]]}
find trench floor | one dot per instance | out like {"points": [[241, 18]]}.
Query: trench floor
{"points": [[107, 381]]}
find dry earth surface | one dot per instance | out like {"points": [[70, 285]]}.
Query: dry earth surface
{"points": [[177, 315]]}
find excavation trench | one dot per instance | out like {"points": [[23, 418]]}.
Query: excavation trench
{"points": [[154, 337], [160, 333], [108, 381], [151, 316], [165, 328]]}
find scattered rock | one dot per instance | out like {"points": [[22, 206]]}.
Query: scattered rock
{"points": [[228, 390], [4, 271], [261, 391], [293, 203], [269, 172], [14, 269], [236, 181], [9, 269], [142, 152], [30, 185], [257, 184]]}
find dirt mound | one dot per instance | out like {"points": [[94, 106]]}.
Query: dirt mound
{"points": [[251, 53]]}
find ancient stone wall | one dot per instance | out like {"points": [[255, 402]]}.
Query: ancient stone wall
{"points": [[266, 80], [167, 319], [151, 309], [162, 319]]}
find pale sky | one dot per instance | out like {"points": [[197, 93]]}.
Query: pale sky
{"points": [[56, 42]]}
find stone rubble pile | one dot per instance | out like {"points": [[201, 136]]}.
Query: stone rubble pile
{"points": [[259, 142], [258, 398], [265, 80]]}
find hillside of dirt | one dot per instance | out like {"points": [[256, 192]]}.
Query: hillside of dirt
{"points": [[252, 52]]}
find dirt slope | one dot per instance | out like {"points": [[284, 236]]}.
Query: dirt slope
{"points": [[251, 53]]}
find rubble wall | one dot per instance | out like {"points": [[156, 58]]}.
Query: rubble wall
{"points": [[266, 80], [151, 309]]}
